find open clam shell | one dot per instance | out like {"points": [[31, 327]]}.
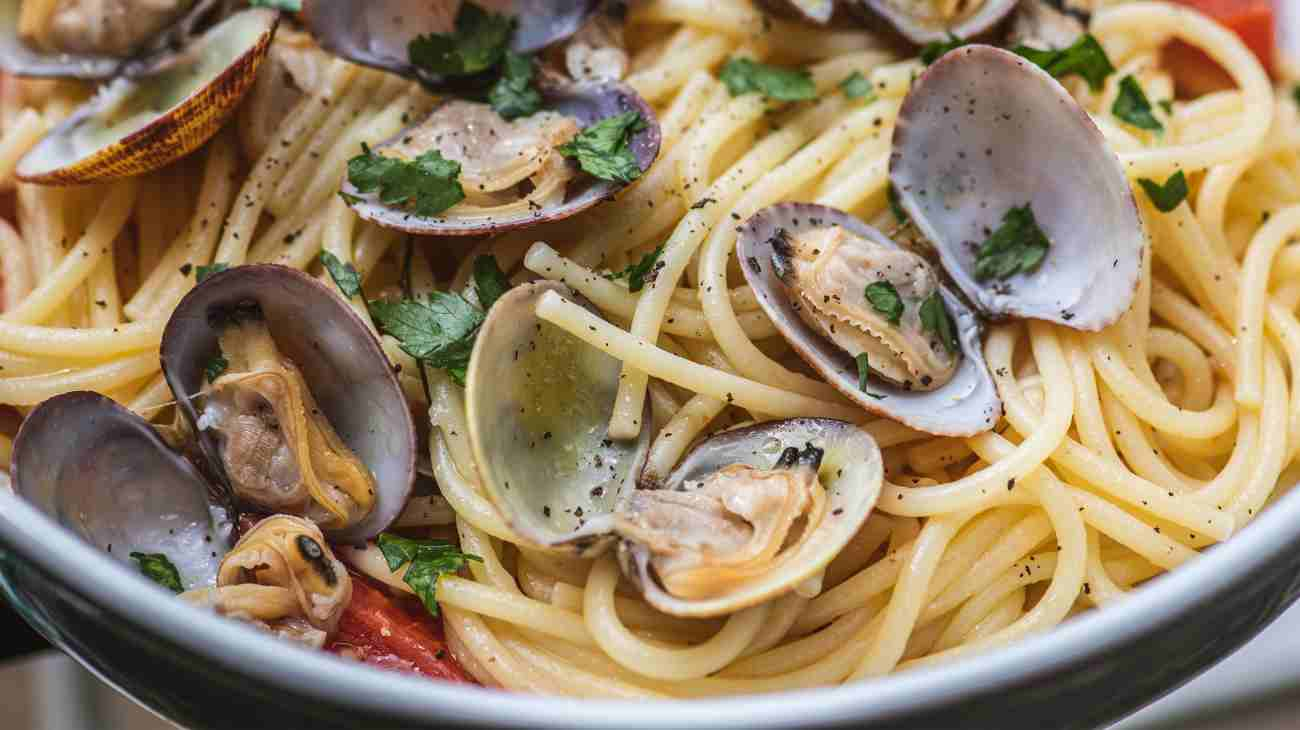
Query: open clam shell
{"points": [[983, 131], [340, 360], [586, 104], [134, 126], [105, 474], [378, 33], [813, 11], [967, 404], [972, 19], [851, 472], [539, 402]]}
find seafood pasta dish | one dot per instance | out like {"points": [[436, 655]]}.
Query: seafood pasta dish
{"points": [[656, 349]]}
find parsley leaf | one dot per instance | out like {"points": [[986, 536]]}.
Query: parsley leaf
{"points": [[429, 560], [935, 50], [1167, 105], [603, 149], [215, 367], [1017, 246], [1295, 94], [744, 76], [1168, 196], [438, 330], [895, 205], [1131, 106], [477, 44], [1084, 57], [935, 319], [489, 280], [157, 568], [204, 271], [427, 185], [513, 95], [857, 86], [637, 274], [345, 275], [292, 6], [864, 370], [884, 298]]}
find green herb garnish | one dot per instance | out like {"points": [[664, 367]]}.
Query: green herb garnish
{"points": [[857, 86], [1295, 94], [935, 50], [477, 44], [1084, 57], [884, 299], [935, 320], [157, 568], [895, 205], [604, 148], [864, 370], [1167, 105], [1017, 246], [746, 76], [513, 95], [215, 367], [345, 275], [291, 6], [203, 271], [489, 281], [427, 561], [438, 330], [1132, 107], [1168, 196], [427, 185], [637, 273]]}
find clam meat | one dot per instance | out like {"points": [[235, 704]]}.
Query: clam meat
{"points": [[928, 21]]}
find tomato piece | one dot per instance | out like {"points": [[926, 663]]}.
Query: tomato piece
{"points": [[1252, 21], [382, 632]]}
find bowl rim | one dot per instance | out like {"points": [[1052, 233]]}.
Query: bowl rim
{"points": [[28, 532]]}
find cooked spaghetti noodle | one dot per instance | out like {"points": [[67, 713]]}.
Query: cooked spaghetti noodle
{"points": [[1121, 454]]}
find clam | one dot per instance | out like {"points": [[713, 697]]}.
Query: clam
{"points": [[511, 171], [928, 21], [814, 11], [815, 269], [135, 125], [379, 33], [282, 577], [538, 402], [292, 401], [984, 135], [1042, 24], [108, 476], [748, 515]]}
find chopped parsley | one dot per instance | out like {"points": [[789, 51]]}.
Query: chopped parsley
{"points": [[345, 275], [215, 367], [438, 330], [637, 274], [1132, 107], [884, 299], [202, 272], [292, 6], [1167, 105], [427, 561], [604, 149], [1017, 246], [935, 50], [857, 86], [1168, 196], [477, 44], [1295, 94], [157, 568], [427, 185], [1084, 57], [489, 281], [513, 95], [935, 320], [746, 76], [895, 205], [864, 370]]}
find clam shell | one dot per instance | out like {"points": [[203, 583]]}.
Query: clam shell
{"points": [[82, 149], [539, 401], [813, 11], [984, 130], [922, 30], [106, 474], [851, 472], [342, 362], [588, 103], [966, 405]]}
